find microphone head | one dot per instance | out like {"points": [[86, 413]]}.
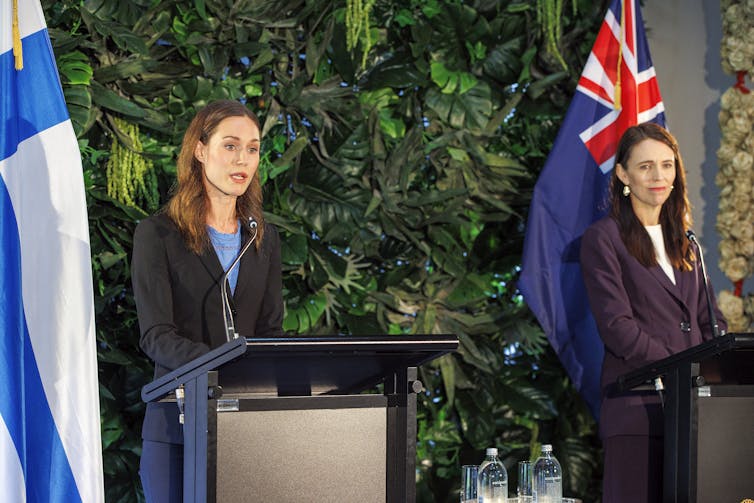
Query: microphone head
{"points": [[252, 223]]}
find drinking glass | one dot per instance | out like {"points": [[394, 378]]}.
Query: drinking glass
{"points": [[468, 483], [524, 478]]}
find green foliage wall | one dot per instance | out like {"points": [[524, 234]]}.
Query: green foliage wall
{"points": [[399, 177]]}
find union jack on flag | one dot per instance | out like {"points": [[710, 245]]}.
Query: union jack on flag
{"points": [[617, 89]]}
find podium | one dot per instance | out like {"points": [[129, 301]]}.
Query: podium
{"points": [[709, 419], [280, 420]]}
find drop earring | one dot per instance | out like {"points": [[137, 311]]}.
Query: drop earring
{"points": [[626, 190]]}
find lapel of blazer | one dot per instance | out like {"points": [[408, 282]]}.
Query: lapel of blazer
{"points": [[674, 290], [212, 263]]}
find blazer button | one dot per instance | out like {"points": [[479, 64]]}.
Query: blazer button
{"points": [[685, 326]]}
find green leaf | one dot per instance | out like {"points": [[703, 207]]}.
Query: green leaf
{"points": [[448, 366], [458, 154], [471, 289], [294, 250], [293, 151], [75, 68], [302, 318], [471, 110], [503, 62], [129, 41], [201, 9], [108, 259], [128, 67], [538, 87], [79, 102], [449, 81], [398, 70], [404, 18], [108, 99], [393, 128]]}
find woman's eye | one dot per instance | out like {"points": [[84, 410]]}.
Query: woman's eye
{"points": [[230, 147]]}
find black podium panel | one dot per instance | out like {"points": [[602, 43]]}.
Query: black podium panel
{"points": [[724, 454]]}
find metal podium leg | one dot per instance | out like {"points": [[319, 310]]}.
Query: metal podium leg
{"points": [[401, 432], [677, 432], [670, 450], [684, 433], [195, 440]]}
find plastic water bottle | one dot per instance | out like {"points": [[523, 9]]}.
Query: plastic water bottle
{"points": [[548, 478], [493, 479]]}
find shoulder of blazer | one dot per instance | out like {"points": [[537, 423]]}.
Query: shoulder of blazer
{"points": [[605, 225], [604, 229], [271, 240], [159, 223]]}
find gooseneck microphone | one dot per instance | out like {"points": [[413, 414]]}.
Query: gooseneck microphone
{"points": [[230, 327], [712, 318]]}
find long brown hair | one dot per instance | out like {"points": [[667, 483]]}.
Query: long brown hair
{"points": [[188, 205], [675, 215]]}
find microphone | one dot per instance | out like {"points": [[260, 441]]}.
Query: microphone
{"points": [[230, 328], [712, 318]]}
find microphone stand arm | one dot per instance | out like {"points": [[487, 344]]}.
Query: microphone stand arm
{"points": [[230, 327]]}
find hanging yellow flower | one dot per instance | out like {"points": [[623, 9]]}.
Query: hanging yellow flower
{"points": [[357, 21], [130, 176], [549, 13]]}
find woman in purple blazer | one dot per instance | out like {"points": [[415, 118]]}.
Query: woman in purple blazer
{"points": [[646, 292]]}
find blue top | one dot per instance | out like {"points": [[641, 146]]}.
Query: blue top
{"points": [[227, 247]]}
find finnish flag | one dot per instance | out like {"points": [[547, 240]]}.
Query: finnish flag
{"points": [[50, 447]]}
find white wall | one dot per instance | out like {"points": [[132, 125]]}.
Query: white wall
{"points": [[684, 40]]}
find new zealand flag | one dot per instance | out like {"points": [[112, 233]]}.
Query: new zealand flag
{"points": [[617, 89]]}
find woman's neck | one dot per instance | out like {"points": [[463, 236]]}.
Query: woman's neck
{"points": [[221, 215]]}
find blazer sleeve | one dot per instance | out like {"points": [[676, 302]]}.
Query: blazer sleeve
{"points": [[611, 304], [270, 321], [150, 276]]}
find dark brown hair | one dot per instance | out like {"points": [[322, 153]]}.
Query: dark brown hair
{"points": [[189, 204], [675, 215]]}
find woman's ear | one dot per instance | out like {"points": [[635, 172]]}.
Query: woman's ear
{"points": [[620, 172], [200, 151]]}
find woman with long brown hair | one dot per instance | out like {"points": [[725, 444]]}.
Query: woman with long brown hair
{"points": [[645, 288], [180, 258]]}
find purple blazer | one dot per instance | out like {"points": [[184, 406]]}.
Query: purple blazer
{"points": [[642, 317]]}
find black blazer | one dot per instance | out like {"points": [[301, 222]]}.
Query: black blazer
{"points": [[642, 317], [179, 307]]}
